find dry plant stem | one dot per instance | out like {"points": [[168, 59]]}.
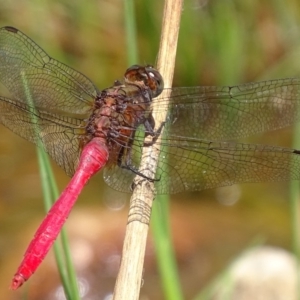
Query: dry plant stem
{"points": [[129, 280]]}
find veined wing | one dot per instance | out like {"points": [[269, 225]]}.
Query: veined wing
{"points": [[26, 68], [226, 113], [192, 165], [59, 136], [193, 155]]}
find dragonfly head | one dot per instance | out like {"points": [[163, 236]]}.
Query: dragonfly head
{"points": [[148, 75]]}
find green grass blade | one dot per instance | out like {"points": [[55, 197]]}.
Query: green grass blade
{"points": [[130, 29], [64, 253], [50, 192], [164, 249], [48, 196]]}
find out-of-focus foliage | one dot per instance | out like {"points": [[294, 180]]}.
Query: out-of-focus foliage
{"points": [[221, 42]]}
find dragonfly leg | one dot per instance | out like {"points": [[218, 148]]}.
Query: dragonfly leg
{"points": [[137, 172], [150, 131], [127, 162]]}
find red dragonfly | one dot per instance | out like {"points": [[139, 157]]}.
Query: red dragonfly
{"points": [[84, 129]]}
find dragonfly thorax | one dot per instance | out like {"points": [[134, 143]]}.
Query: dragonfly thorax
{"points": [[117, 113]]}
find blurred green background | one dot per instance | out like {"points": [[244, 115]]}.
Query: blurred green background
{"points": [[221, 43]]}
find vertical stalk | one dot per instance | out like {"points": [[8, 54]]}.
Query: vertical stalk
{"points": [[129, 279]]}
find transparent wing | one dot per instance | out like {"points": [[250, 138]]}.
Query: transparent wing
{"points": [[194, 153], [59, 136], [193, 165], [222, 113], [26, 68]]}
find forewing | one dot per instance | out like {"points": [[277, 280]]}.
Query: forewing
{"points": [[25, 67], [222, 113], [59, 136]]}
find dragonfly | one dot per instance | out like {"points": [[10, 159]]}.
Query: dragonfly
{"points": [[86, 130]]}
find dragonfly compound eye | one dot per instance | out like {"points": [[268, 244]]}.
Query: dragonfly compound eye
{"points": [[148, 75], [155, 81], [135, 73]]}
